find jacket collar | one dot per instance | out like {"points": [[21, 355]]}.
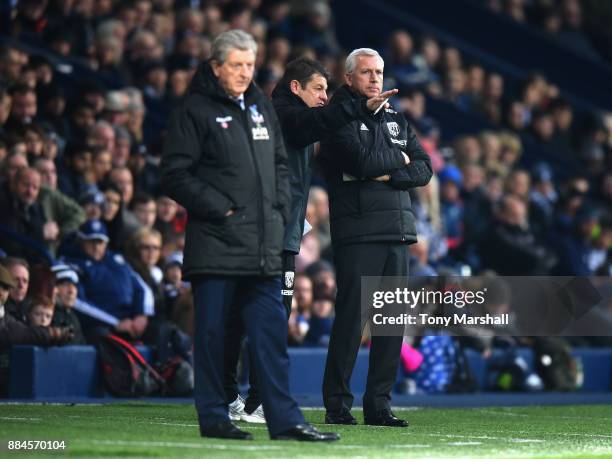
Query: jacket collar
{"points": [[282, 95], [206, 83]]}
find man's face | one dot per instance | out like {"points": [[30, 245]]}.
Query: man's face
{"points": [[236, 73], [21, 277], [146, 213], [40, 316], [122, 179], [314, 93], [24, 106], [15, 163], [48, 173], [95, 248], [166, 208], [27, 187], [67, 293], [303, 291], [367, 78]]}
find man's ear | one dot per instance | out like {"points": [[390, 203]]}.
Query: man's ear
{"points": [[295, 86], [348, 78], [215, 67]]}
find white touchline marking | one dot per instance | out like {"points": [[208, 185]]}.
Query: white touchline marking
{"points": [[464, 443], [174, 424], [488, 437], [11, 418], [176, 444], [564, 434], [408, 446]]}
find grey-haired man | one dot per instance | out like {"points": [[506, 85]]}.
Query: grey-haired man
{"points": [[225, 162]]}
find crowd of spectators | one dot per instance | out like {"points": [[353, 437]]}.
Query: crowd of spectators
{"points": [[580, 25], [85, 91]]}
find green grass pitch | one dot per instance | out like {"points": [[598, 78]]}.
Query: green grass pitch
{"points": [[155, 430]]}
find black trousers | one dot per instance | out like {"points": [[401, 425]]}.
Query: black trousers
{"points": [[353, 261]]}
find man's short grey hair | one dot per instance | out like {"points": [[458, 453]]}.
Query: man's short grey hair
{"points": [[230, 40], [351, 60]]}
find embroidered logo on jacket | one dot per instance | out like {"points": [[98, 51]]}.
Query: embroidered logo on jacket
{"points": [[393, 128], [363, 127], [255, 115], [224, 121], [260, 132]]}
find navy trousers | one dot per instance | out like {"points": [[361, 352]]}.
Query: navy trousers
{"points": [[265, 322]]}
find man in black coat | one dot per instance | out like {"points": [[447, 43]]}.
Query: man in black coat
{"points": [[300, 100], [225, 162], [370, 164]]}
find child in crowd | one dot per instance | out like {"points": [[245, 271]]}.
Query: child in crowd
{"points": [[40, 312]]}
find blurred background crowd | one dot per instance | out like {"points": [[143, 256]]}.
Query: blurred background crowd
{"points": [[86, 88]]}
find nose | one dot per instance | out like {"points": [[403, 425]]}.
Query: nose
{"points": [[324, 97]]}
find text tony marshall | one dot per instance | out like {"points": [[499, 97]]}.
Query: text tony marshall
{"points": [[440, 321]]}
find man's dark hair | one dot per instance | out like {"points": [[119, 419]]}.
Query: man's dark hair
{"points": [[302, 70], [21, 88], [141, 198]]}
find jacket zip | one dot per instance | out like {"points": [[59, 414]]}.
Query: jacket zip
{"points": [[399, 192], [260, 219]]}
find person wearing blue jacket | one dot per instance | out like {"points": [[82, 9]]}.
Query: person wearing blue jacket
{"points": [[114, 298]]}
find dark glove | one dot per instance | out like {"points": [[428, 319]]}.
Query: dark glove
{"points": [[287, 280], [61, 335]]}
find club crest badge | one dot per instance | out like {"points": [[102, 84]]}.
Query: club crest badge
{"points": [[393, 128], [255, 115], [289, 276]]}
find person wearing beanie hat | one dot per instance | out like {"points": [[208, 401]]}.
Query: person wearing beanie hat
{"points": [[66, 299]]}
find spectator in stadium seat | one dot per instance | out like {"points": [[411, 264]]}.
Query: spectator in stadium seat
{"points": [[101, 164], [82, 118], [13, 331], [17, 302], [173, 283], [111, 286], [73, 176], [10, 166], [23, 109], [542, 200], [24, 215], [122, 179], [576, 249], [509, 247], [320, 323], [113, 218], [93, 203], [40, 311], [123, 145], [102, 135], [300, 314], [66, 297], [451, 207], [144, 208], [144, 169], [166, 220], [143, 252]]}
